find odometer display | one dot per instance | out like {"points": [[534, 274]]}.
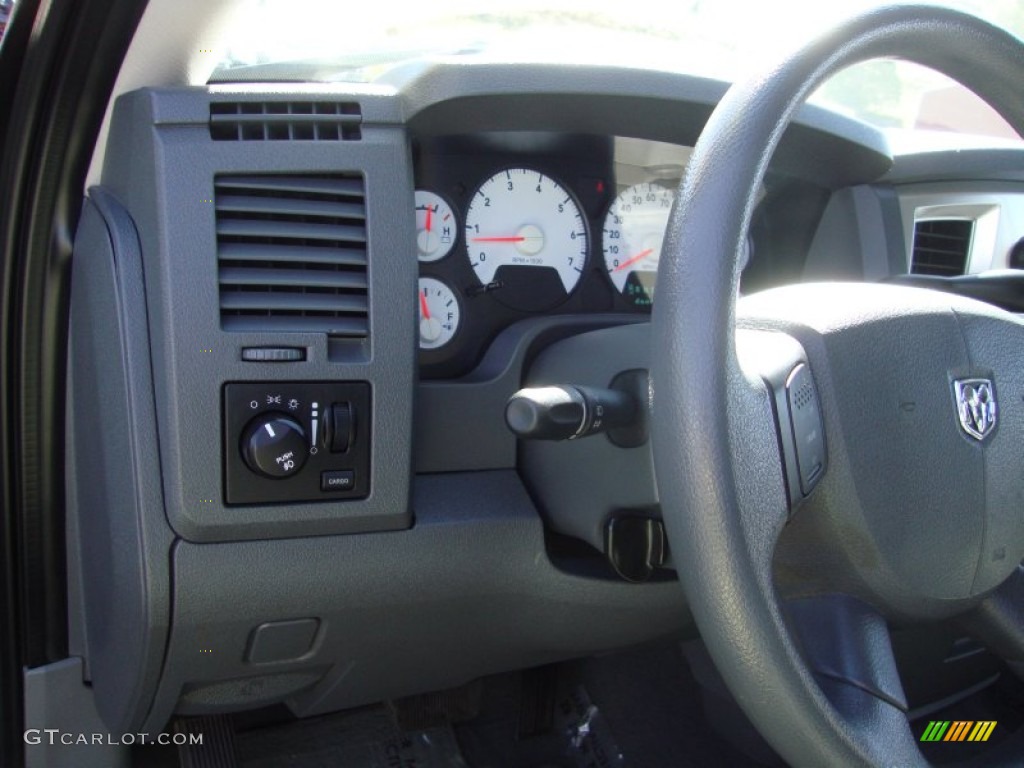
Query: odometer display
{"points": [[633, 231], [525, 233]]}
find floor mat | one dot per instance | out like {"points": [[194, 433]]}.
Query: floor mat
{"points": [[639, 709], [366, 738]]}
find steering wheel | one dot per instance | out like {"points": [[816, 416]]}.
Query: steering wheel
{"points": [[914, 518]]}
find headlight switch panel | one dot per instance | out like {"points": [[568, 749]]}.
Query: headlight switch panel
{"points": [[296, 441]]}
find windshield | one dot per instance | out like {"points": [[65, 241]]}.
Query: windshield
{"points": [[324, 40]]}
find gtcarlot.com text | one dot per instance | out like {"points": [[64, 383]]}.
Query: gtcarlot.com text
{"points": [[55, 736]]}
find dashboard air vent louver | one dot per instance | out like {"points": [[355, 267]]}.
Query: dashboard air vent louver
{"points": [[292, 254], [285, 121], [941, 247]]}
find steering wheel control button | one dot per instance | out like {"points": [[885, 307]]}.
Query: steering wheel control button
{"points": [[287, 442], [342, 426], [568, 412], [808, 432], [274, 445], [337, 480], [273, 354]]}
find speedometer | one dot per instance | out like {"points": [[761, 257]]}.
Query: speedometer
{"points": [[633, 231], [526, 239]]}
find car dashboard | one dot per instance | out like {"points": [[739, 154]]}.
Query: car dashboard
{"points": [[298, 312], [575, 187]]}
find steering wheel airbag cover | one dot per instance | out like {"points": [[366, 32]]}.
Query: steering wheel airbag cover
{"points": [[923, 511]]}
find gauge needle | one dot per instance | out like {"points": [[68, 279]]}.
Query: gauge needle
{"points": [[423, 306], [429, 217], [634, 259], [499, 239]]}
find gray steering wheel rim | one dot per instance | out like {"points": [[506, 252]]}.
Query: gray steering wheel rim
{"points": [[714, 527]]}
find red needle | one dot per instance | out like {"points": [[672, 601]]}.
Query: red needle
{"points": [[429, 216], [633, 260], [498, 239], [423, 306]]}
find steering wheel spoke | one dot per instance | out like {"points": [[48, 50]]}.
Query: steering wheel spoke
{"points": [[846, 644]]}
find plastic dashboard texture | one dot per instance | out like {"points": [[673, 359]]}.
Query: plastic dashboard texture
{"points": [[449, 98], [468, 591], [155, 346], [162, 167]]}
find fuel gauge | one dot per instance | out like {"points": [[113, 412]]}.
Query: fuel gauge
{"points": [[439, 313]]}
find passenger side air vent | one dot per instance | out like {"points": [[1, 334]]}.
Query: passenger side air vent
{"points": [[285, 121], [292, 254], [941, 247]]}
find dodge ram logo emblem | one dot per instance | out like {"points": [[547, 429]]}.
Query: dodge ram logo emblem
{"points": [[976, 406]]}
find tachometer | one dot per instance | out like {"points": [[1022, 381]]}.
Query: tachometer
{"points": [[633, 231], [525, 235]]}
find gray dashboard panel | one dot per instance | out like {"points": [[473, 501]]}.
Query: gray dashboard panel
{"points": [[958, 165], [162, 165], [860, 237], [995, 207], [831, 149], [460, 425], [467, 591], [584, 482], [118, 553]]}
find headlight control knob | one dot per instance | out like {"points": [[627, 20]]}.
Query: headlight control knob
{"points": [[274, 445]]}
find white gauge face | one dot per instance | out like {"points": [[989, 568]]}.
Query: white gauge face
{"points": [[439, 313], [633, 231], [523, 219], [436, 226]]}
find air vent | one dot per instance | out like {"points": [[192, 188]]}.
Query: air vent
{"points": [[941, 247], [285, 121], [292, 254]]}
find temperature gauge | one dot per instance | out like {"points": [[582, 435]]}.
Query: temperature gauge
{"points": [[436, 226], [439, 313]]}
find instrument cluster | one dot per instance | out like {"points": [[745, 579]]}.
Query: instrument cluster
{"points": [[511, 225]]}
